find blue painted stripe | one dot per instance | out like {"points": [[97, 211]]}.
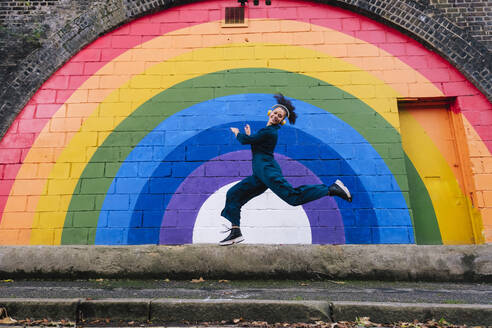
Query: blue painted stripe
{"points": [[330, 138]]}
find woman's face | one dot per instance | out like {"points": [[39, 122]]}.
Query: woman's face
{"points": [[277, 116]]}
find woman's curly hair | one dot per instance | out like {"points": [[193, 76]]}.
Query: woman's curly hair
{"points": [[281, 100]]}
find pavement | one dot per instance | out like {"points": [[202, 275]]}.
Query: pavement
{"points": [[200, 300], [256, 283]]}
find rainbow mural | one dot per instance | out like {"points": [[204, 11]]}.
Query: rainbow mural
{"points": [[129, 142]]}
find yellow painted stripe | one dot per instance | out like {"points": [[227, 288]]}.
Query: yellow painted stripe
{"points": [[351, 78], [158, 78], [477, 148], [164, 75]]}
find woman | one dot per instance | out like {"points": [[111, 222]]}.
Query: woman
{"points": [[267, 172]]}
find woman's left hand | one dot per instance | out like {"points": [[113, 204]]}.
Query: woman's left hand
{"points": [[247, 130]]}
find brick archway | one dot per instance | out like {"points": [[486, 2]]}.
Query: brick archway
{"points": [[431, 28]]}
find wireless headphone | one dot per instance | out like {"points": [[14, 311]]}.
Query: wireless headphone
{"points": [[281, 106]]}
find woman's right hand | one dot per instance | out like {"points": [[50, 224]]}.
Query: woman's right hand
{"points": [[235, 131]]}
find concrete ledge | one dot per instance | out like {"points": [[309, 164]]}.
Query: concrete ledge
{"points": [[250, 310], [366, 262], [459, 314], [37, 309]]}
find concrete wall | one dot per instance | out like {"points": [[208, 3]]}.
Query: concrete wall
{"points": [[128, 142]]}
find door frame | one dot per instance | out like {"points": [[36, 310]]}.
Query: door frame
{"points": [[461, 147]]}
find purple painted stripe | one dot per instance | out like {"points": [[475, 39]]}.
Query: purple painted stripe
{"points": [[180, 215]]}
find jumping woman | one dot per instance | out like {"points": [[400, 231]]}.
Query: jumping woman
{"points": [[267, 172]]}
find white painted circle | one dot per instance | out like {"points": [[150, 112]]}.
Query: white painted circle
{"points": [[265, 219]]}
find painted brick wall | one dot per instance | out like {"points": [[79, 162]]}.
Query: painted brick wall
{"points": [[102, 151], [26, 25]]}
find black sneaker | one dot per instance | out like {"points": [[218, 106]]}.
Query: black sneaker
{"points": [[234, 237], [340, 190]]}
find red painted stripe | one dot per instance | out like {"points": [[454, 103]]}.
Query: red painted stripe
{"points": [[61, 85]]}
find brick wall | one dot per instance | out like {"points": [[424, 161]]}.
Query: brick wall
{"points": [[474, 16], [89, 78], [26, 25], [37, 37]]}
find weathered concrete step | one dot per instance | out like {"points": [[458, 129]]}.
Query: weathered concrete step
{"points": [[178, 311], [361, 262], [167, 310], [461, 314]]}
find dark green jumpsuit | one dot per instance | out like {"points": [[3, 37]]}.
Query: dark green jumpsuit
{"points": [[266, 174]]}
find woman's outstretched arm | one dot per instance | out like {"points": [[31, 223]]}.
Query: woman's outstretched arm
{"points": [[246, 138]]}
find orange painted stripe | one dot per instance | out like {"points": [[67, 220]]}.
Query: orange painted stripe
{"points": [[72, 116]]}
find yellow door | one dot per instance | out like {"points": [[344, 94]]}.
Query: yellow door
{"points": [[431, 141]]}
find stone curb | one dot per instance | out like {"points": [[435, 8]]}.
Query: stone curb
{"points": [[114, 309], [179, 311], [361, 262], [469, 314], [41, 308], [167, 310]]}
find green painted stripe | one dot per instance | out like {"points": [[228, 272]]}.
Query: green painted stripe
{"points": [[118, 145], [424, 218]]}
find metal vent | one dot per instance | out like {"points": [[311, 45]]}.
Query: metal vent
{"points": [[234, 15]]}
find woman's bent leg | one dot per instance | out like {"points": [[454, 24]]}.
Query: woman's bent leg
{"points": [[296, 196], [240, 194]]}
